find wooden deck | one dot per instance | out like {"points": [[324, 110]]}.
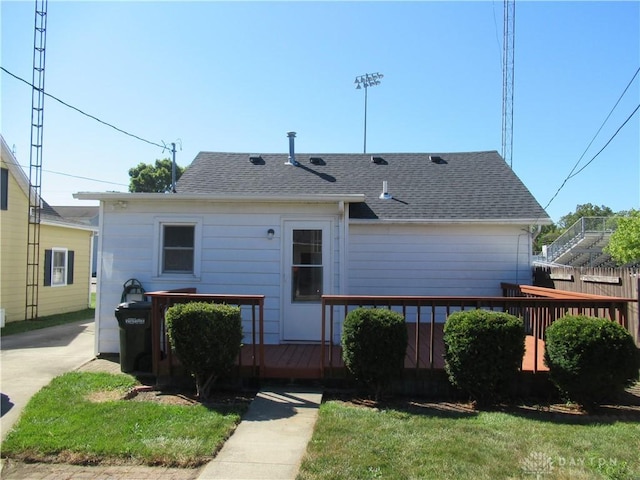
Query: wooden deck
{"points": [[538, 307], [303, 361]]}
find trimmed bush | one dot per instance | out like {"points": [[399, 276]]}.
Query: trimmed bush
{"points": [[483, 353], [374, 343], [206, 338], [590, 358]]}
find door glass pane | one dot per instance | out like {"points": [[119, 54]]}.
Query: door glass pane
{"points": [[306, 270]]}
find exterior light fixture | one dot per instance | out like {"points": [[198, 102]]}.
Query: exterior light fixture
{"points": [[367, 80], [270, 233]]}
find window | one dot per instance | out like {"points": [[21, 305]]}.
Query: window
{"points": [[307, 270], [4, 189], [58, 267], [178, 248]]}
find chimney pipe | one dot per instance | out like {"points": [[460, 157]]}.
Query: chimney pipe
{"points": [[292, 152]]}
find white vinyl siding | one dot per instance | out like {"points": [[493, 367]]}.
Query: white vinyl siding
{"points": [[438, 260], [233, 255]]}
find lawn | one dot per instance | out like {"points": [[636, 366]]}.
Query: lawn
{"points": [[431, 442], [23, 326], [80, 418]]}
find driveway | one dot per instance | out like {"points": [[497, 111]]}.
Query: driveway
{"points": [[29, 361]]}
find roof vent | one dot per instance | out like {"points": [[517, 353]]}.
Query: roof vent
{"points": [[292, 151], [385, 195], [378, 160], [316, 161], [256, 159], [437, 159]]}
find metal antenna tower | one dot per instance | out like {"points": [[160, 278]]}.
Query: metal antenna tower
{"points": [[35, 161], [507, 80]]}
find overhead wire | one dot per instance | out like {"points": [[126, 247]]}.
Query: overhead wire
{"points": [[85, 178], [573, 171], [83, 112]]}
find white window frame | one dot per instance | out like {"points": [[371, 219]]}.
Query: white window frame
{"points": [[158, 247], [61, 268]]}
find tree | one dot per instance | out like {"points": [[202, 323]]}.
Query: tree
{"points": [[153, 178], [548, 234], [586, 210], [624, 244]]}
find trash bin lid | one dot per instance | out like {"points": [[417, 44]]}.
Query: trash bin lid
{"points": [[134, 306]]}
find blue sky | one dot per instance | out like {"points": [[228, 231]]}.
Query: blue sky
{"points": [[236, 76]]}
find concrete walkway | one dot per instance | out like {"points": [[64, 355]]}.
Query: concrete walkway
{"points": [[272, 438], [269, 443], [31, 360]]}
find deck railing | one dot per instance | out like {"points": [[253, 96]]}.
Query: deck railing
{"points": [[538, 313], [539, 307], [164, 361]]}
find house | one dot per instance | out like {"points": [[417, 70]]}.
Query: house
{"points": [[64, 252], [295, 226], [87, 215]]}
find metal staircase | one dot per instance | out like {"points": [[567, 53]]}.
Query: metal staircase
{"points": [[581, 245]]}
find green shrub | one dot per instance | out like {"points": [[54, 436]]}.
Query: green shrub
{"points": [[206, 338], [590, 358], [483, 353], [374, 343]]}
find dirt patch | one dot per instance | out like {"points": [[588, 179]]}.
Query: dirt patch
{"points": [[171, 397]]}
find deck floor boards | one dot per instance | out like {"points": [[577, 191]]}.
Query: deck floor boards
{"points": [[304, 360]]}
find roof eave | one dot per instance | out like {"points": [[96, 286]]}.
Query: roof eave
{"points": [[449, 221], [63, 224], [219, 198]]}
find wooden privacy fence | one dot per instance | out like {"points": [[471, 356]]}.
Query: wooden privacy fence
{"points": [[164, 360], [613, 282], [538, 312]]}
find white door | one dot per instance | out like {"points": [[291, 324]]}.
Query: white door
{"points": [[307, 276]]}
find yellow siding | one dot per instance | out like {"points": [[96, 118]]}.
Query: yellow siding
{"points": [[13, 251], [68, 298], [13, 260]]}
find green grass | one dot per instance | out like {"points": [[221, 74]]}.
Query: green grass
{"points": [[363, 443], [50, 321], [60, 423]]}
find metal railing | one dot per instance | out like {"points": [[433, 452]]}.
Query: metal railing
{"points": [[577, 232]]}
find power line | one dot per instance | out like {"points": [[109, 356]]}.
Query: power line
{"points": [[606, 144], [74, 176], [572, 174], [85, 178], [602, 125], [82, 112]]}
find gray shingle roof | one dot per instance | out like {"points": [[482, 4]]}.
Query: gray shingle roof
{"points": [[458, 186]]}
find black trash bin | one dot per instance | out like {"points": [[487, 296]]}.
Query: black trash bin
{"points": [[134, 319]]}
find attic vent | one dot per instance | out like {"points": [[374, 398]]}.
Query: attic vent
{"points": [[385, 195], [436, 159], [256, 160], [378, 160], [316, 161]]}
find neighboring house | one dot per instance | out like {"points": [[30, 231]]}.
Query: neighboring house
{"points": [[87, 215], [65, 251], [294, 227]]}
